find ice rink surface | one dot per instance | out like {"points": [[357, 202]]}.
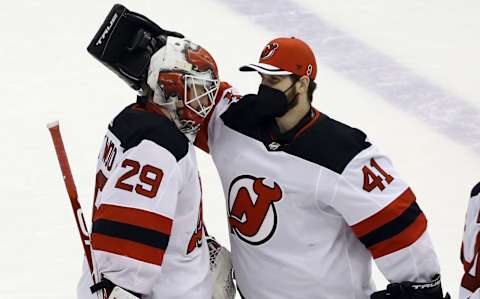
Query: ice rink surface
{"points": [[405, 72]]}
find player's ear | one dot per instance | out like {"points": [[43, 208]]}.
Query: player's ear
{"points": [[303, 86]]}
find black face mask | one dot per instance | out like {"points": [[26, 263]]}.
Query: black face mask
{"points": [[272, 102]]}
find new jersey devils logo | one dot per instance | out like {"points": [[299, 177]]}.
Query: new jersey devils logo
{"points": [[196, 239], [268, 51], [251, 211]]}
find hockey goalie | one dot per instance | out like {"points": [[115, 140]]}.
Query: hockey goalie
{"points": [[148, 239]]}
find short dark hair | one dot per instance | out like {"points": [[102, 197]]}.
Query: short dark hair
{"points": [[311, 86]]}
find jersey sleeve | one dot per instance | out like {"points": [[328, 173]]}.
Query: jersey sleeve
{"points": [[382, 212], [471, 247], [134, 216], [226, 96]]}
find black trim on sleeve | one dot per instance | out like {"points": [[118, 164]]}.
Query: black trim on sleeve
{"points": [[130, 232], [392, 228]]}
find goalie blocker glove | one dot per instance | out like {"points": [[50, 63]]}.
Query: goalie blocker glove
{"points": [[412, 290], [125, 43]]}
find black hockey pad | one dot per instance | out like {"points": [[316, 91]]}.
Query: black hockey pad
{"points": [[412, 290], [126, 41]]}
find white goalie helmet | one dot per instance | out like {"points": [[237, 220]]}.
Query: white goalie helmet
{"points": [[184, 79]]}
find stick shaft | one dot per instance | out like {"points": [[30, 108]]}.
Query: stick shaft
{"points": [[72, 192]]}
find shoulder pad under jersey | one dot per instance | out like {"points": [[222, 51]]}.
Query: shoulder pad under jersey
{"points": [[134, 124]]}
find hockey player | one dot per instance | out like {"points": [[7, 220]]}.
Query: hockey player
{"points": [[147, 235], [311, 200], [470, 285]]}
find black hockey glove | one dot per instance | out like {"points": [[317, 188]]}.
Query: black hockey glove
{"points": [[412, 290], [125, 43]]}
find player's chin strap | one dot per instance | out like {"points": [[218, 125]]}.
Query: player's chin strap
{"points": [[113, 291], [413, 290]]}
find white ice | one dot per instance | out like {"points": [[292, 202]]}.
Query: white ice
{"points": [[46, 74]]}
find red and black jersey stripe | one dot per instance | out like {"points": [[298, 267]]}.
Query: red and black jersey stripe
{"points": [[138, 234], [395, 227]]}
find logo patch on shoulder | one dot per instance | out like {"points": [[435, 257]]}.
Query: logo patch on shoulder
{"points": [[251, 210]]}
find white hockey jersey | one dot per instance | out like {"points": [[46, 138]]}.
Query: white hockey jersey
{"points": [[147, 232], [470, 284], [307, 215]]}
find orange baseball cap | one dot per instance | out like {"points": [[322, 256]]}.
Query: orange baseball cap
{"points": [[285, 56]]}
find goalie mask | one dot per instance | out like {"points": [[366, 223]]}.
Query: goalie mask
{"points": [[184, 79]]}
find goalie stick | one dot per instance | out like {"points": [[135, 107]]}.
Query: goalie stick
{"points": [[54, 128]]}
